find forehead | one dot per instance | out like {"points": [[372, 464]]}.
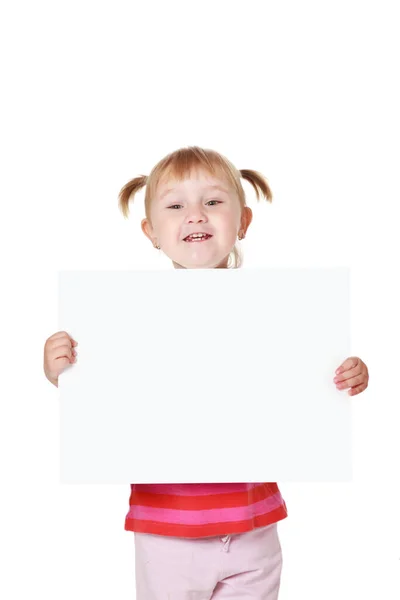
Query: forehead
{"points": [[200, 180]]}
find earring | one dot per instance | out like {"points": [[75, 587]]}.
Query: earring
{"points": [[240, 236], [157, 247]]}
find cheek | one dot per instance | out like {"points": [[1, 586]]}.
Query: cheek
{"points": [[159, 224], [166, 230], [230, 224]]}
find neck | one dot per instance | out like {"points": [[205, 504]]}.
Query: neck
{"points": [[222, 265]]}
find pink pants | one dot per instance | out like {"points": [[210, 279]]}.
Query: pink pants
{"points": [[240, 566]]}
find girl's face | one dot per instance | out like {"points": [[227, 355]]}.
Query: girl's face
{"points": [[200, 205]]}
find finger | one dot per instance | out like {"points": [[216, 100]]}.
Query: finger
{"points": [[357, 390], [59, 334], [349, 363], [62, 363], [351, 383], [60, 351], [348, 374], [61, 341]]}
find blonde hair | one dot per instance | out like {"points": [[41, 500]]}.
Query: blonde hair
{"points": [[181, 164]]}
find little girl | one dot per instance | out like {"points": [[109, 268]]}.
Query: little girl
{"points": [[201, 541]]}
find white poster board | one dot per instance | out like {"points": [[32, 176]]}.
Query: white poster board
{"points": [[210, 375]]}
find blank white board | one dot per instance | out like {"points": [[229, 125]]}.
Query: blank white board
{"points": [[205, 375]]}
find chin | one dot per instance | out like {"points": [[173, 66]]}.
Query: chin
{"points": [[205, 258]]}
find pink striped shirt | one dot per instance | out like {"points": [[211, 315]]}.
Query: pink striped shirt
{"points": [[203, 509]]}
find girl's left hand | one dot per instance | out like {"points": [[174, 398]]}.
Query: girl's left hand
{"points": [[353, 374]]}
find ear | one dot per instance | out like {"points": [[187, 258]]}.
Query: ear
{"points": [[147, 229], [246, 218]]}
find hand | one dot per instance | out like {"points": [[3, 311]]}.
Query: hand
{"points": [[353, 374], [58, 354]]}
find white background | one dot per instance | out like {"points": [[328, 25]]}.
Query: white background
{"points": [[94, 94]]}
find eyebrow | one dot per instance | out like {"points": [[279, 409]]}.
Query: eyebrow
{"points": [[209, 187]]}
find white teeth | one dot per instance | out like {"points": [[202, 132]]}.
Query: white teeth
{"points": [[197, 235]]}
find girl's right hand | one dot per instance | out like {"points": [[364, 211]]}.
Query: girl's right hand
{"points": [[58, 354]]}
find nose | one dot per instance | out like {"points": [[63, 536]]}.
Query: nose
{"points": [[196, 214]]}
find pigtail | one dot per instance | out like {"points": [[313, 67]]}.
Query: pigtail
{"points": [[258, 182], [128, 191]]}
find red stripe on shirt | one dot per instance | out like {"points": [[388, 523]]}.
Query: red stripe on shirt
{"points": [[202, 501]]}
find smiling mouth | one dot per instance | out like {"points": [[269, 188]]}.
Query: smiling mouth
{"points": [[197, 237]]}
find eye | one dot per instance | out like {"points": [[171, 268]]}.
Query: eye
{"points": [[215, 201], [175, 206]]}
